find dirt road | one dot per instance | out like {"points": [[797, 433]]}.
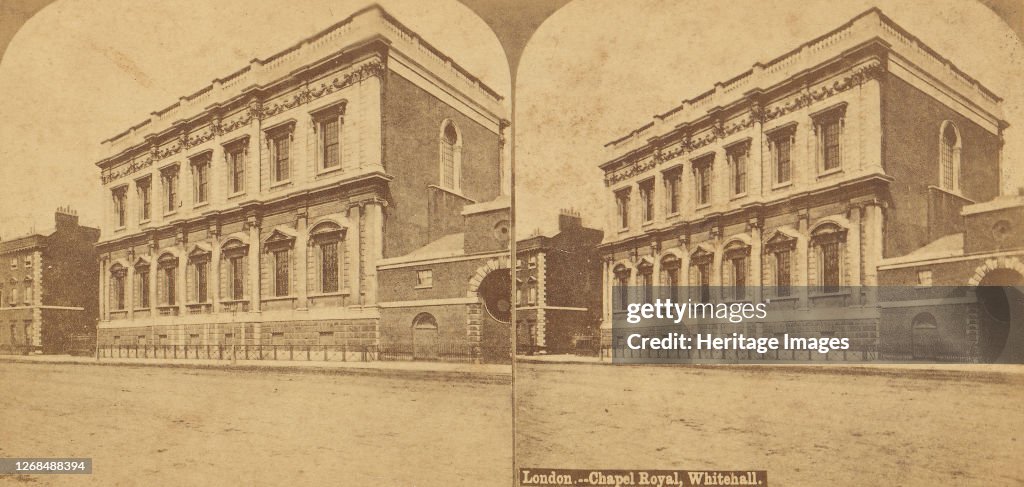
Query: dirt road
{"points": [[158, 426], [804, 425]]}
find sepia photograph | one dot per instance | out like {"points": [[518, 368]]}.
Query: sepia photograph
{"points": [[256, 244], [848, 173], [512, 242]]}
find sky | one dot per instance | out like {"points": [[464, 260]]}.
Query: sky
{"points": [[597, 69], [81, 71]]}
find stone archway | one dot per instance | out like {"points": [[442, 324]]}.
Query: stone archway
{"points": [[489, 316], [1000, 307]]}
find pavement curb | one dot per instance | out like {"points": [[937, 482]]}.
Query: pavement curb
{"points": [[443, 375]]}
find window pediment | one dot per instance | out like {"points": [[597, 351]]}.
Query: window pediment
{"points": [[200, 251], [168, 260], [327, 230], [334, 110], [286, 127], [202, 158], [280, 237], [828, 233], [701, 256], [780, 240]]}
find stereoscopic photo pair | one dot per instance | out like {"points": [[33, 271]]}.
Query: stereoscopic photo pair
{"points": [[484, 242]]}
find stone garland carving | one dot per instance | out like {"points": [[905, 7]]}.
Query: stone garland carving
{"points": [[861, 74], [255, 111]]}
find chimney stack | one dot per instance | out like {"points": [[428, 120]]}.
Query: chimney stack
{"points": [[569, 219], [65, 217]]}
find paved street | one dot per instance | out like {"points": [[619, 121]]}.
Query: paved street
{"points": [[806, 425], [192, 426]]}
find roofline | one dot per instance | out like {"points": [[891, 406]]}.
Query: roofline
{"points": [[310, 39], [845, 25]]}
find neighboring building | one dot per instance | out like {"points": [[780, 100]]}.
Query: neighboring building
{"points": [[965, 301], [260, 209], [455, 287], [558, 288], [797, 179], [48, 286]]}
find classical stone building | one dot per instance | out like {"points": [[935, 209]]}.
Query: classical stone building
{"points": [[48, 286], [558, 287], [261, 208], [795, 180]]}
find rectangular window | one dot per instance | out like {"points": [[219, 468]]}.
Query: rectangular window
{"points": [[329, 267], [282, 147], [782, 273], [145, 203], [170, 191], [169, 286], [237, 270], [118, 291], [781, 153], [120, 195], [236, 164], [673, 187], [830, 130], [672, 281], [202, 181], [281, 269], [924, 278], [425, 278], [738, 165], [830, 267], [329, 143], [28, 294], [142, 277], [739, 278], [622, 204], [201, 287], [704, 184], [647, 284], [647, 199], [704, 278]]}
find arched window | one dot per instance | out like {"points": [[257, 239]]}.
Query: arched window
{"points": [[781, 247], [451, 156], [167, 288], [700, 272], [670, 266], [645, 271], [949, 157], [328, 240], [735, 268], [141, 284], [234, 254], [622, 284], [117, 276], [828, 241]]}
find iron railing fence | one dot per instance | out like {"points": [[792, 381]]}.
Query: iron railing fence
{"points": [[446, 352]]}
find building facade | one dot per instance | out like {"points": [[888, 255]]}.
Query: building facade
{"points": [[796, 180], [48, 286], [558, 288], [260, 209]]}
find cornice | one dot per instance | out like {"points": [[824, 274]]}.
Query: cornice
{"points": [[687, 144], [254, 111], [754, 214]]}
